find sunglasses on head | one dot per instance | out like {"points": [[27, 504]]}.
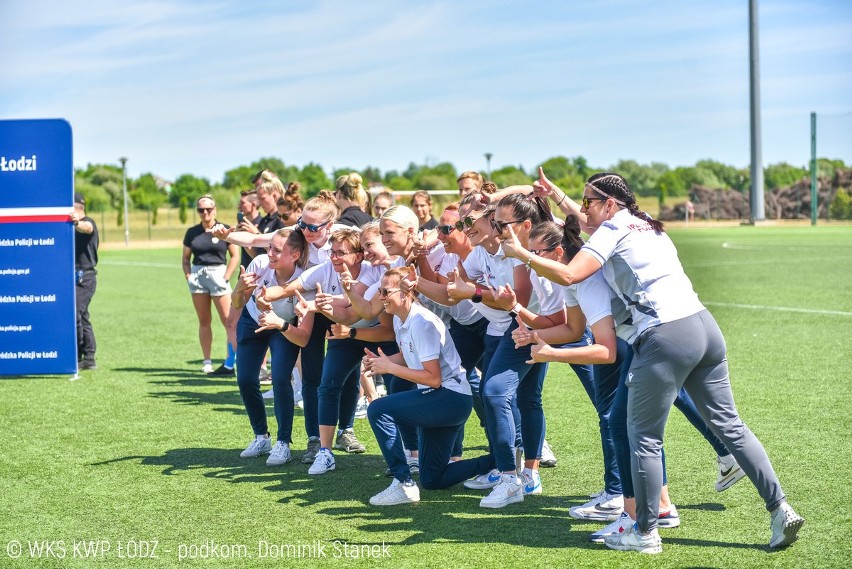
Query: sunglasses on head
{"points": [[204, 209], [447, 229], [587, 201], [310, 226]]}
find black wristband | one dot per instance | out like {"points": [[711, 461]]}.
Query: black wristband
{"points": [[285, 326], [352, 332]]}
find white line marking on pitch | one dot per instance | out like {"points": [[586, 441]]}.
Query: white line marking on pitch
{"points": [[778, 308]]}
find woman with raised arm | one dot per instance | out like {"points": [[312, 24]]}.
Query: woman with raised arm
{"points": [[277, 331], [678, 345]]}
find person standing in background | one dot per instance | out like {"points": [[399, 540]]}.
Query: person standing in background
{"points": [[85, 277], [207, 277], [421, 203]]}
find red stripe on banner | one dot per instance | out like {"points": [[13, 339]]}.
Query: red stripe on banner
{"points": [[34, 218]]}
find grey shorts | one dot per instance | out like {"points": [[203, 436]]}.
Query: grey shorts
{"points": [[208, 279]]}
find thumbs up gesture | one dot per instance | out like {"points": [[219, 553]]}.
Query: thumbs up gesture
{"points": [[505, 297], [457, 289], [380, 363], [263, 304], [522, 335], [540, 352]]}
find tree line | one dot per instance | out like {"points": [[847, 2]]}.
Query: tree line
{"points": [[101, 184]]}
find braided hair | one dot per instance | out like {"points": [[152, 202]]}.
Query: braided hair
{"points": [[616, 187]]}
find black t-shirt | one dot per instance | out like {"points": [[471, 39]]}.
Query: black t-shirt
{"points": [[429, 225], [245, 258], [86, 248], [270, 222], [354, 216], [206, 249]]}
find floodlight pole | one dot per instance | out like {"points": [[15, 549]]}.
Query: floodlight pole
{"points": [[757, 206], [488, 156], [123, 161], [813, 170]]}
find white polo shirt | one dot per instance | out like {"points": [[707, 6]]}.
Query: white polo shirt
{"points": [[498, 270], [644, 270], [423, 337], [463, 312], [266, 278]]}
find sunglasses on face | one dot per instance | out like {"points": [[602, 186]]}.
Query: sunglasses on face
{"points": [[285, 216], [204, 209], [387, 291], [499, 226], [310, 226], [446, 229], [467, 221], [540, 251], [587, 201]]}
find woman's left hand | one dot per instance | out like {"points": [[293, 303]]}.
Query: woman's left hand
{"points": [[379, 363], [512, 246], [269, 321], [505, 297], [540, 352]]}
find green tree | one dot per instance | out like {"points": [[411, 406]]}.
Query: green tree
{"points": [[109, 179], [555, 168], [782, 175], [841, 205], [185, 191], [147, 195], [240, 178], [642, 179], [313, 179], [510, 176], [728, 176]]}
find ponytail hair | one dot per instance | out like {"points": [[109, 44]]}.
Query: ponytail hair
{"points": [[609, 185], [533, 208], [296, 241], [351, 187], [567, 236], [325, 204]]}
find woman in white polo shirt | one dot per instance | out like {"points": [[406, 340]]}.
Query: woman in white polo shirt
{"points": [[678, 345], [438, 408]]}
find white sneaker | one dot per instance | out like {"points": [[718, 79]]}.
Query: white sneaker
{"points": [[631, 540], [361, 409], [548, 459], [484, 481], [322, 463], [669, 519], [509, 490], [207, 367], [604, 508], [616, 527], [279, 455], [269, 394], [532, 482], [729, 472], [785, 525], [260, 445], [397, 493]]}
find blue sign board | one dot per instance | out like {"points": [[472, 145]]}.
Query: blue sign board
{"points": [[37, 296]]}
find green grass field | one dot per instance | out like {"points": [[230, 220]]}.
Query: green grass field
{"points": [[146, 448]]}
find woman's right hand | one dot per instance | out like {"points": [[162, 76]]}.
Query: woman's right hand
{"points": [[246, 281], [219, 231]]}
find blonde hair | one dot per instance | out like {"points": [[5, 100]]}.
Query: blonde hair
{"points": [[398, 274], [205, 197], [273, 187], [325, 204], [293, 197], [402, 216], [471, 175], [349, 236], [371, 227], [351, 187]]}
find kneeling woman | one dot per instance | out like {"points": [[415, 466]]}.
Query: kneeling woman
{"points": [[440, 407]]}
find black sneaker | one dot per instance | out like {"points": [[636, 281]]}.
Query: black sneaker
{"points": [[87, 363], [222, 371]]}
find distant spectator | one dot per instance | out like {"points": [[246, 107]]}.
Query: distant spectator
{"points": [[290, 204], [469, 182], [207, 276], [381, 203], [421, 203], [353, 200]]}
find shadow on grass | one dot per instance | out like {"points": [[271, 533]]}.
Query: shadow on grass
{"points": [[704, 506], [452, 515]]}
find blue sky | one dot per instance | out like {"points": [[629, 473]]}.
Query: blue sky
{"points": [[201, 87]]}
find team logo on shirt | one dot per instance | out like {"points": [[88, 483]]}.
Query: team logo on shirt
{"points": [[215, 240]]}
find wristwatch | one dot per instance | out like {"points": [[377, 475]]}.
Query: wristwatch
{"points": [[477, 295], [352, 332], [285, 327]]}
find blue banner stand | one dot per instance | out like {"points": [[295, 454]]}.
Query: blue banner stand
{"points": [[38, 332]]}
